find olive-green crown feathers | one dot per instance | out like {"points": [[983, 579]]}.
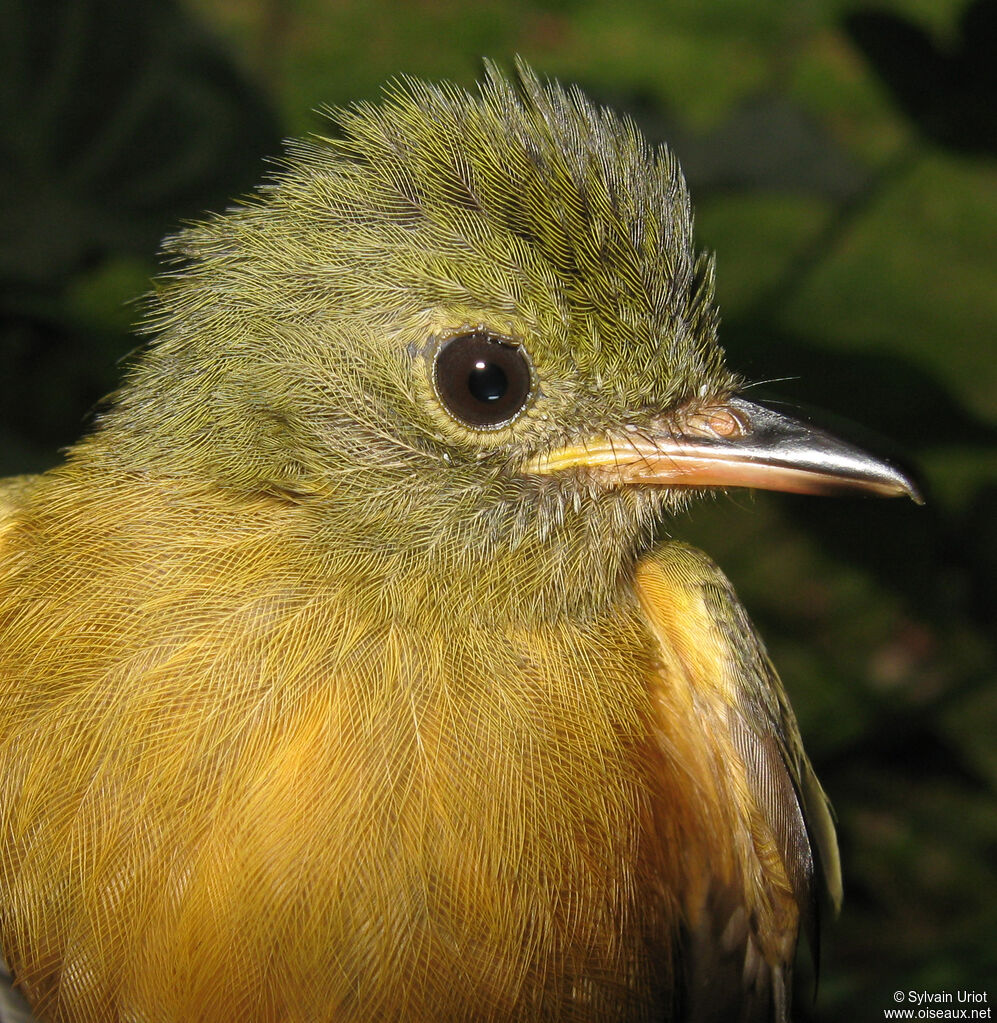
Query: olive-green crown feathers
{"points": [[541, 201], [526, 203], [523, 208]]}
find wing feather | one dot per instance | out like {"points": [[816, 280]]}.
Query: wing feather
{"points": [[767, 842]]}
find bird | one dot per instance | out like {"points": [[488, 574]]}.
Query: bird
{"points": [[348, 670]]}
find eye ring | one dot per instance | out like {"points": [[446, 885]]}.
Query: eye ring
{"points": [[482, 380]]}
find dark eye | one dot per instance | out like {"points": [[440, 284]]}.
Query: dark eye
{"points": [[483, 382]]}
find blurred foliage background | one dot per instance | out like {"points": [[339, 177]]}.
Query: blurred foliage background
{"points": [[843, 162]]}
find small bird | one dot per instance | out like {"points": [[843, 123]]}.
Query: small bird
{"points": [[345, 672]]}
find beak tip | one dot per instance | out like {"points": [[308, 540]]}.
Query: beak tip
{"points": [[914, 493], [905, 483]]}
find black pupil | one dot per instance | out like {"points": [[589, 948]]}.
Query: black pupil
{"points": [[487, 381], [483, 381]]}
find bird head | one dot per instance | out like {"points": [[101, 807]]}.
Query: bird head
{"points": [[470, 332]]}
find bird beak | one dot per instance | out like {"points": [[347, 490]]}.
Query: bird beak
{"points": [[736, 444]]}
